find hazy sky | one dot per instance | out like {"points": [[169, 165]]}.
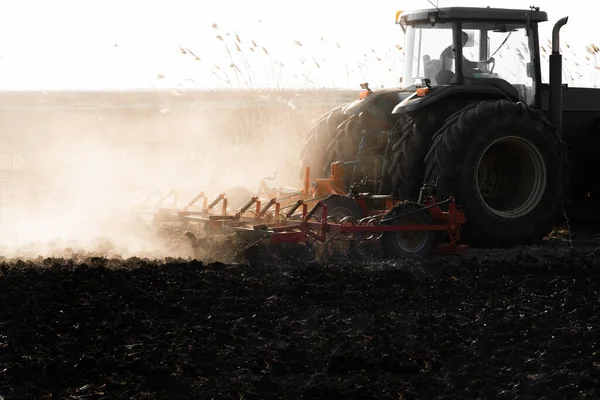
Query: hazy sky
{"points": [[76, 44]]}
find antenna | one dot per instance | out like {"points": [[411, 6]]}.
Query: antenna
{"points": [[431, 2]]}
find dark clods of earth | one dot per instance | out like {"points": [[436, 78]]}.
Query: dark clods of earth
{"points": [[521, 324]]}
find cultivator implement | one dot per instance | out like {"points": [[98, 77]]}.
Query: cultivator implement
{"points": [[322, 217]]}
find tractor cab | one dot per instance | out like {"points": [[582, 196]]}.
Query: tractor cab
{"points": [[495, 49]]}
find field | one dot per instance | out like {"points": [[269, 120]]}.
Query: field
{"points": [[523, 325], [90, 313]]}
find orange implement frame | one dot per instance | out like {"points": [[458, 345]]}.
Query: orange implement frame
{"points": [[282, 200]]}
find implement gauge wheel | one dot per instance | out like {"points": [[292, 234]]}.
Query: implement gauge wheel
{"points": [[339, 207], [409, 243]]}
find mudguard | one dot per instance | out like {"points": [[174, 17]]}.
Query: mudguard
{"points": [[413, 102], [380, 102]]}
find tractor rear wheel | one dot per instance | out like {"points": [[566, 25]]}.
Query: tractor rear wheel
{"points": [[506, 166], [335, 137]]}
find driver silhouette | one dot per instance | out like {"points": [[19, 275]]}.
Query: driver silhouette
{"points": [[449, 53], [445, 75]]}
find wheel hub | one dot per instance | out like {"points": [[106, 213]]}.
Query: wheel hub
{"points": [[411, 241], [511, 177]]}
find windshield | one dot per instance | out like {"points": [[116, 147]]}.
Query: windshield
{"points": [[505, 54], [493, 51], [423, 46]]}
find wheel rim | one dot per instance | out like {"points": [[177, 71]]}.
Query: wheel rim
{"points": [[411, 241], [510, 177]]}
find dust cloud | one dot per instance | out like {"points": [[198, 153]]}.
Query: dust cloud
{"points": [[70, 179]]}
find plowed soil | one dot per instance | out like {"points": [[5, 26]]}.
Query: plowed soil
{"points": [[520, 324]]}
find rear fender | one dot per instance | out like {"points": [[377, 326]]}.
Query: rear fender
{"points": [[414, 103], [380, 103]]}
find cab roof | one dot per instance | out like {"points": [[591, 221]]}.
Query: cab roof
{"points": [[472, 14]]}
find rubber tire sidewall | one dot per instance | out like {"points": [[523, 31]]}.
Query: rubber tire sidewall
{"points": [[414, 141], [483, 226], [336, 201]]}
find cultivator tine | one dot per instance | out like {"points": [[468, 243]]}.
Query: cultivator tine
{"points": [[215, 202], [200, 195], [294, 208], [267, 207], [246, 207], [314, 210]]}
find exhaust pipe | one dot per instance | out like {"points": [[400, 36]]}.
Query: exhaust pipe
{"points": [[556, 76]]}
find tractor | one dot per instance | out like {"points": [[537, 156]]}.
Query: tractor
{"points": [[473, 118]]}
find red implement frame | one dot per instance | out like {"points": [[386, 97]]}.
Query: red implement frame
{"points": [[269, 220], [448, 221]]}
